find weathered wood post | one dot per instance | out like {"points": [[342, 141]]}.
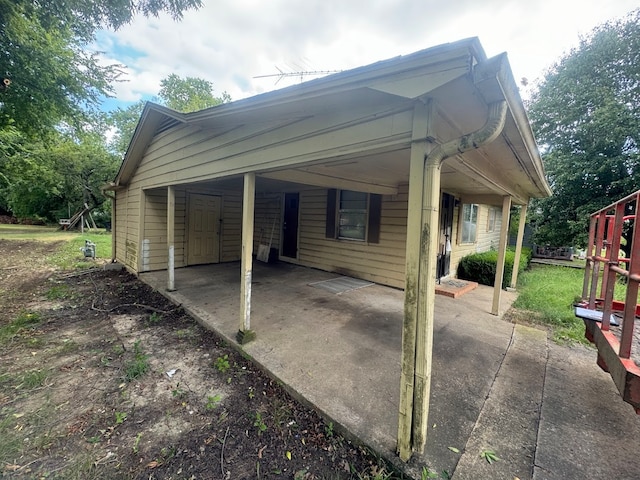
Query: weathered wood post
{"points": [[502, 253], [419, 150], [171, 224], [245, 334], [519, 240]]}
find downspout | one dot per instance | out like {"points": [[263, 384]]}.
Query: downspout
{"points": [[427, 264], [487, 134]]}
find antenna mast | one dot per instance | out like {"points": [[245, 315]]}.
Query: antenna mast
{"points": [[281, 74]]}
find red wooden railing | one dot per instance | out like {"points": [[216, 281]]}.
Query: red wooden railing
{"points": [[603, 268]]}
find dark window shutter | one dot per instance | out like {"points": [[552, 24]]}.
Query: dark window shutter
{"points": [[330, 231], [375, 210]]}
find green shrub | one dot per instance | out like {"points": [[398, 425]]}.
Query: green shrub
{"points": [[481, 267]]}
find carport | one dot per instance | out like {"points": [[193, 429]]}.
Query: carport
{"points": [[383, 158]]}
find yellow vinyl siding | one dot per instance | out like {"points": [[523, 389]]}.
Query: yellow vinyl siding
{"points": [[187, 154], [381, 262], [268, 219]]}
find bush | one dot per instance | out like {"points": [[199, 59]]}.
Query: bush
{"points": [[481, 267]]}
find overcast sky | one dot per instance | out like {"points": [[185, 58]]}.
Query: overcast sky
{"points": [[229, 43]]}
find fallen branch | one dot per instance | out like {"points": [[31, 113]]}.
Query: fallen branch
{"points": [[222, 454], [79, 273], [137, 305]]}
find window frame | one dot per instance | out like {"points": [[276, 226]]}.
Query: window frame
{"points": [[492, 218], [463, 222], [346, 212], [372, 218]]}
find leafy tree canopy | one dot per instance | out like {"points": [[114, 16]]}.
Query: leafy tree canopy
{"points": [[586, 115], [45, 180], [43, 55], [185, 95]]}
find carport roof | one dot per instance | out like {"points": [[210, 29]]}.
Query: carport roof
{"points": [[403, 79]]}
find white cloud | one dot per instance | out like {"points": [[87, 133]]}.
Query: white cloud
{"points": [[230, 44]]}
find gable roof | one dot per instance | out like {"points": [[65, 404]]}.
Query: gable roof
{"points": [[435, 66]]}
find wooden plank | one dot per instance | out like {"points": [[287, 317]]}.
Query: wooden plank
{"points": [[519, 239]]}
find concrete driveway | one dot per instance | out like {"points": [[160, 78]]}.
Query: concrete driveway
{"points": [[495, 385]]}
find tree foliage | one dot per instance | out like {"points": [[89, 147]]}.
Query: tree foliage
{"points": [[51, 85], [43, 54], [189, 94], [586, 115], [46, 180]]}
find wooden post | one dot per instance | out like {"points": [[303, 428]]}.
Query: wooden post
{"points": [[502, 253], [419, 148], [429, 236], [245, 334], [171, 223], [114, 250], [516, 259]]}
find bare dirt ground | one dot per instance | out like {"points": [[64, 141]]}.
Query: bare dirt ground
{"points": [[100, 377]]}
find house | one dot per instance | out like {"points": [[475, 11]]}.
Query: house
{"points": [[389, 172]]}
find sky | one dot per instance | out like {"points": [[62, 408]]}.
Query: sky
{"points": [[230, 43]]}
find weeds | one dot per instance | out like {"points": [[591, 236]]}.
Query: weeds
{"points": [[154, 318], [489, 455], [33, 379], [120, 417], [58, 292], [427, 473], [258, 422], [136, 443], [222, 364], [178, 392], [138, 366], [213, 402], [328, 429], [23, 321]]}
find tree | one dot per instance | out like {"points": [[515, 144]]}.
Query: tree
{"points": [[185, 95], [189, 94], [43, 55], [46, 180], [586, 115]]}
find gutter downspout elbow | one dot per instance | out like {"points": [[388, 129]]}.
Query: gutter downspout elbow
{"points": [[487, 134]]}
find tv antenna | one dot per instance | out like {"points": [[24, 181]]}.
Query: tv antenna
{"points": [[308, 73]]}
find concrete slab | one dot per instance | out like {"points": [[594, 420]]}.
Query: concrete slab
{"points": [[342, 352], [546, 415], [508, 423], [586, 430]]}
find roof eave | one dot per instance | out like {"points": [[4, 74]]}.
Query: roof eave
{"points": [[151, 117], [495, 80]]}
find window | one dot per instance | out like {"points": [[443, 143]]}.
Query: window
{"points": [[353, 215], [491, 220], [469, 223]]}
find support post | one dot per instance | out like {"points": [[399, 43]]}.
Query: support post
{"points": [[245, 334], [519, 239], [502, 253], [419, 149], [171, 223], [426, 301], [114, 251]]}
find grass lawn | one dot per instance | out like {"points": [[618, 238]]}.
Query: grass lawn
{"points": [[69, 255], [546, 296]]}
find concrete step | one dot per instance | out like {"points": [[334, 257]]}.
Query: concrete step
{"points": [[509, 420]]}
